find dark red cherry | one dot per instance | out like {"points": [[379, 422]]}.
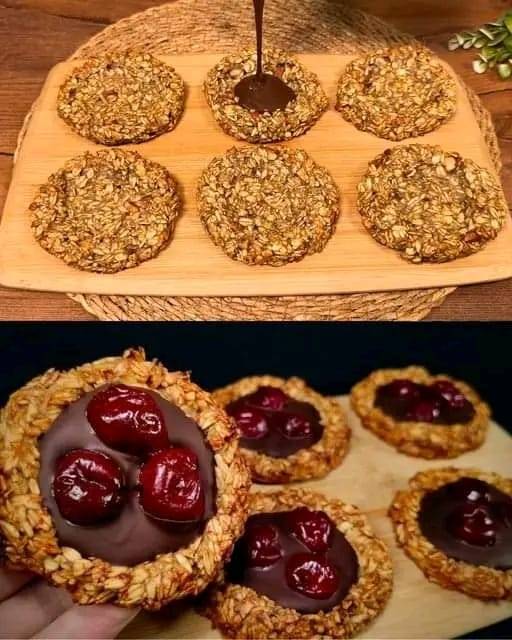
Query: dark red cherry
{"points": [[470, 490], [250, 421], [474, 524], [170, 486], [268, 398], [424, 410], [449, 392], [294, 426], [263, 547], [87, 486], [127, 419], [312, 575], [312, 528], [400, 388]]}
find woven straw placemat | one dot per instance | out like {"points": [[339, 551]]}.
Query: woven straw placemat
{"points": [[328, 26]]}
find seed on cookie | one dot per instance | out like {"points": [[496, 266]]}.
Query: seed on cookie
{"points": [[397, 93], [268, 205], [243, 123], [429, 204], [122, 98], [106, 211]]}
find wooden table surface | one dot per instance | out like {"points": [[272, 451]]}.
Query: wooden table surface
{"points": [[36, 34]]}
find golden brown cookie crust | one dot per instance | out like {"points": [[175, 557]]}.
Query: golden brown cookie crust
{"points": [[244, 124], [27, 526], [419, 439], [306, 464], [121, 98], [240, 612], [476, 581], [397, 93], [268, 205]]}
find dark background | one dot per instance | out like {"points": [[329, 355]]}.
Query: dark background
{"points": [[330, 356]]}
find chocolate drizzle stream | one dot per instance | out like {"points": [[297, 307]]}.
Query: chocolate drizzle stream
{"points": [[262, 91]]}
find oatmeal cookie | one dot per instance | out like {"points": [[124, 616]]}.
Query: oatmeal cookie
{"points": [[268, 205], [311, 453], [247, 124], [242, 612], [397, 93], [430, 205], [106, 211], [45, 417], [460, 492], [122, 98], [421, 415]]}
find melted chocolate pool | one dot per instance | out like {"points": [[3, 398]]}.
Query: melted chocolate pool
{"points": [[132, 537], [469, 520], [272, 582]]}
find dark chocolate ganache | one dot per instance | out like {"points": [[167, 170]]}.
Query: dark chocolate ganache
{"points": [[441, 402], [469, 520], [273, 423], [126, 475], [262, 91], [297, 558]]}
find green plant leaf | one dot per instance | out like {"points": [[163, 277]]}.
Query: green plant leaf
{"points": [[488, 34], [507, 21], [504, 71], [498, 39], [488, 53], [508, 43], [453, 44], [479, 66]]}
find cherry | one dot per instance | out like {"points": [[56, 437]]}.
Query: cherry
{"points": [[128, 419], [397, 396], [474, 524], [268, 398], [312, 528], [424, 410], [250, 422], [455, 407], [263, 547], [294, 426], [447, 390], [470, 490], [170, 486], [312, 575], [87, 486]]}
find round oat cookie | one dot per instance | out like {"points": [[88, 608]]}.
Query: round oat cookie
{"points": [[241, 612], [475, 580], [260, 127], [268, 205], [122, 98], [397, 93], [106, 211], [416, 438], [315, 461], [31, 539], [429, 204]]}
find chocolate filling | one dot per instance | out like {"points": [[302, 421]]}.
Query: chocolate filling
{"points": [[438, 509], [132, 537], [271, 581]]}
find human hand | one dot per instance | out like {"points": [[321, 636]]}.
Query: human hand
{"points": [[29, 607]]}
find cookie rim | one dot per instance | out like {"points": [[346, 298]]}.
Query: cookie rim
{"points": [[294, 120], [31, 541], [373, 125], [484, 583], [306, 464], [245, 250], [420, 439], [368, 192], [227, 602], [95, 65], [41, 205]]}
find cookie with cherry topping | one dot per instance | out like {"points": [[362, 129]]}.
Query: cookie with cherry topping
{"points": [[420, 414], [288, 431], [296, 590], [120, 449], [456, 525]]}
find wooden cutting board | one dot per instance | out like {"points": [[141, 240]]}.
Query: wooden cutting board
{"points": [[192, 265], [369, 477]]}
